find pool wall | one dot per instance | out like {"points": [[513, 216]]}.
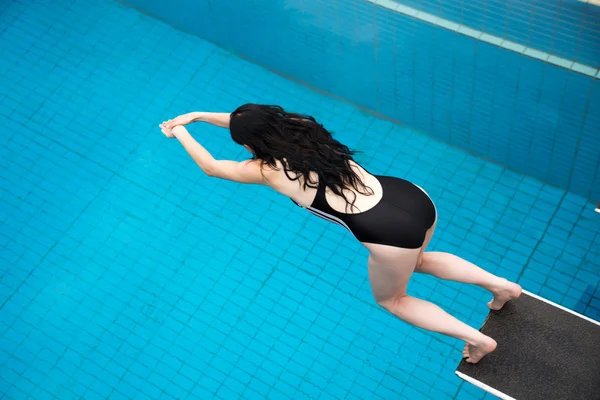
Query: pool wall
{"points": [[566, 28], [534, 117]]}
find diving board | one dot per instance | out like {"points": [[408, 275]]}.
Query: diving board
{"points": [[545, 351]]}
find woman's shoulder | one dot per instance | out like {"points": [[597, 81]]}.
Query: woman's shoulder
{"points": [[271, 173], [287, 182]]}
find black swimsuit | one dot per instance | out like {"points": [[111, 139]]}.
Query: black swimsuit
{"points": [[401, 218]]}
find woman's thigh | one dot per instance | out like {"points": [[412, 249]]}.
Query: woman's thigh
{"points": [[390, 268], [428, 237]]}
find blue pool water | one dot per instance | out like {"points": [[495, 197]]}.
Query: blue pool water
{"points": [[533, 116], [127, 273]]}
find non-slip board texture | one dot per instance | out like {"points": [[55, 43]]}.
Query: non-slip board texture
{"points": [[544, 352]]}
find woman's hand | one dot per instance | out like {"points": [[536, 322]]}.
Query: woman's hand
{"points": [[183, 119], [168, 132]]}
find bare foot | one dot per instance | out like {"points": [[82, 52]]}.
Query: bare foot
{"points": [[504, 292], [473, 352]]}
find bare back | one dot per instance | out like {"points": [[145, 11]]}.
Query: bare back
{"points": [[294, 189]]}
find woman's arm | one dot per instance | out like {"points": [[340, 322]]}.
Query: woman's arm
{"points": [[250, 171], [198, 153], [217, 119]]}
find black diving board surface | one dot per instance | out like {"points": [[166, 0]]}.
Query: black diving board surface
{"points": [[544, 352]]}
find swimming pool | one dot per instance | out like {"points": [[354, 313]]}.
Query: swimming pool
{"points": [[126, 273]]}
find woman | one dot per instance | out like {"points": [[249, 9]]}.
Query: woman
{"points": [[394, 219]]}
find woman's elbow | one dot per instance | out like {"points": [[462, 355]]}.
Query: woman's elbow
{"points": [[210, 172]]}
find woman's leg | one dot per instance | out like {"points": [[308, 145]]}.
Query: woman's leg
{"points": [[389, 271], [450, 267]]}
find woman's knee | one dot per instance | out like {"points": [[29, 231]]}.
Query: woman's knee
{"points": [[393, 303]]}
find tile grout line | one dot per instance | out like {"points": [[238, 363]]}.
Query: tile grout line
{"points": [[51, 248], [541, 239], [530, 52]]}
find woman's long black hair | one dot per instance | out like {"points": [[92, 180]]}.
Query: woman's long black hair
{"points": [[300, 143]]}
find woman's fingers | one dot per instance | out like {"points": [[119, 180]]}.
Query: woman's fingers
{"points": [[171, 123], [166, 131]]}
